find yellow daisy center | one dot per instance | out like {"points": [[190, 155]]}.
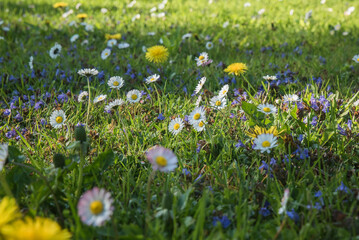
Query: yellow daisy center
{"points": [[358, 59], [59, 119], [196, 116], [161, 161], [201, 124], [266, 109], [218, 103], [201, 58], [100, 98], [265, 144], [115, 83], [176, 126], [134, 96], [106, 53], [96, 207], [152, 79]]}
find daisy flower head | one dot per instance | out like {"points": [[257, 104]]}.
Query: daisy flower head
{"points": [[105, 53], [162, 159], [99, 98], [115, 103], [356, 58], [265, 142], [202, 59], [82, 96], [157, 54], [236, 69], [152, 78], [134, 96], [218, 102], [95, 207], [74, 38], [200, 85], [267, 108], [3, 156], [284, 202], [270, 78], [224, 91], [87, 72], [57, 118], [115, 82], [200, 126], [197, 115], [291, 98], [175, 126], [111, 43], [55, 51], [37, 228], [209, 45], [123, 45]]}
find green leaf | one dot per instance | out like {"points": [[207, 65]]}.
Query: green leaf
{"points": [[249, 108]]}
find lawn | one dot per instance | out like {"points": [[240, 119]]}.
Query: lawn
{"points": [[179, 119]]}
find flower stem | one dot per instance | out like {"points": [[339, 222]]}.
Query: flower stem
{"points": [[5, 185], [89, 102], [80, 179]]}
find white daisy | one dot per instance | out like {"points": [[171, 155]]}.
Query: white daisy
{"points": [[134, 96], [200, 126], [162, 159], [291, 98], [224, 91], [144, 49], [57, 118], [105, 53], [186, 36], [115, 82], [30, 63], [218, 102], [82, 96], [356, 103], [199, 99], [202, 59], [3, 155], [269, 78], [264, 142], [87, 72], [99, 98], [284, 201], [200, 85], [209, 45], [95, 207], [123, 45], [175, 126], [267, 108], [115, 103], [89, 28], [55, 51], [197, 115], [111, 43], [356, 58], [74, 38], [152, 78]]}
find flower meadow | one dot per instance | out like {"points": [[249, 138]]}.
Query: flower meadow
{"points": [[203, 119]]}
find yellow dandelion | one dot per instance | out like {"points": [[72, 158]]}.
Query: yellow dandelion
{"points": [[35, 229], [157, 54], [82, 16], [254, 132], [236, 68], [114, 36], [9, 211], [60, 5]]}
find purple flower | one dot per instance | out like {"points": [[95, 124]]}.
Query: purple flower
{"points": [[62, 97], [272, 162], [43, 121], [18, 117], [314, 121], [240, 144], [7, 112], [186, 172], [293, 215], [343, 188], [11, 134], [161, 117], [224, 221], [38, 104]]}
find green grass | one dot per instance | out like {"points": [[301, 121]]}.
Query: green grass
{"points": [[230, 182]]}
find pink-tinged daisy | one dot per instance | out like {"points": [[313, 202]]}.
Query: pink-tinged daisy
{"points": [[284, 202], [162, 159], [95, 207]]}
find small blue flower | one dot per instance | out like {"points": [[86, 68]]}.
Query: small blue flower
{"points": [[225, 222], [161, 117]]}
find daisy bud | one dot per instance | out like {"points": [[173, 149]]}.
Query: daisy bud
{"points": [[59, 160], [80, 134]]}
